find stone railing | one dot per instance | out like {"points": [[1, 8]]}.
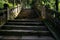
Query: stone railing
{"points": [[9, 14], [53, 22], [3, 17], [13, 13], [41, 10]]}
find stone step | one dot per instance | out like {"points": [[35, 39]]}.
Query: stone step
{"points": [[24, 20], [25, 23], [27, 38], [21, 26], [23, 32], [17, 27]]}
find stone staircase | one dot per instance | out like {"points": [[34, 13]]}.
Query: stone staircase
{"points": [[25, 29]]}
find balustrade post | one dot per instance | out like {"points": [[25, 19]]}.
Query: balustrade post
{"points": [[8, 14], [43, 12]]}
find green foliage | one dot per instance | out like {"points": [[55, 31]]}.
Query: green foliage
{"points": [[50, 3], [59, 5], [8, 2]]}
